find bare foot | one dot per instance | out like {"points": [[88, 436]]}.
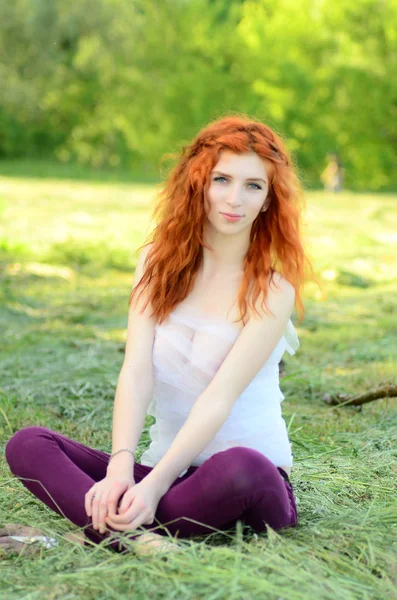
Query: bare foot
{"points": [[76, 536], [17, 538], [154, 543], [144, 544]]}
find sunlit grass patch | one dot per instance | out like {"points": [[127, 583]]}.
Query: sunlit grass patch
{"points": [[67, 261]]}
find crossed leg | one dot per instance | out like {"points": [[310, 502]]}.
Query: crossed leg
{"points": [[238, 483]]}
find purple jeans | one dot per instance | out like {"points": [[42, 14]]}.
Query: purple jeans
{"points": [[237, 484]]}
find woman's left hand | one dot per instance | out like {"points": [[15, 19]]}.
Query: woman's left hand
{"points": [[138, 507]]}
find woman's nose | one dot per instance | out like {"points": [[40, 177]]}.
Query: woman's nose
{"points": [[234, 197]]}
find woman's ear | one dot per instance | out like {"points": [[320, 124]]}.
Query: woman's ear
{"points": [[268, 199], [266, 204]]}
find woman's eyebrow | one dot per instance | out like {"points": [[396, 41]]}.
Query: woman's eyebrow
{"points": [[248, 178]]}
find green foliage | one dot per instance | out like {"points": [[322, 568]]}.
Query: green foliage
{"points": [[139, 78], [10, 252], [96, 255]]}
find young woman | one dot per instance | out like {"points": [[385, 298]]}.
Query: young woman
{"points": [[208, 323]]}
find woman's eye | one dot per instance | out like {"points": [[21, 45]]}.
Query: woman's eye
{"points": [[257, 187]]}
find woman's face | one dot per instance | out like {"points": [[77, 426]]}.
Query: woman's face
{"points": [[238, 185]]}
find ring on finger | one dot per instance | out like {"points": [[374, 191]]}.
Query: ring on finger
{"points": [[95, 495]]}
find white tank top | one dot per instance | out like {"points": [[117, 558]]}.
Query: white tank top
{"points": [[188, 350]]}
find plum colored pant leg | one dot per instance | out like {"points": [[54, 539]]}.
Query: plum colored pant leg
{"points": [[237, 484]]}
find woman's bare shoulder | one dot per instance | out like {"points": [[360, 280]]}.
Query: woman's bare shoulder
{"points": [[144, 253], [276, 279], [279, 289]]}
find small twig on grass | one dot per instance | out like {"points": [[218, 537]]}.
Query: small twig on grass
{"points": [[383, 391]]}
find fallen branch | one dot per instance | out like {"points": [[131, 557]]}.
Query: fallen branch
{"points": [[384, 391]]}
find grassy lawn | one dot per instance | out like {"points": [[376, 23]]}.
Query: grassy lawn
{"points": [[67, 255]]}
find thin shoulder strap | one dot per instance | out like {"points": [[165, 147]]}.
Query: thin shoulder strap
{"points": [[291, 338]]}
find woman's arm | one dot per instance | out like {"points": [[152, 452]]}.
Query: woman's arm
{"points": [[253, 347], [135, 383], [133, 395]]}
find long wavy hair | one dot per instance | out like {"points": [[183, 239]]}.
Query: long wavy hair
{"points": [[276, 243]]}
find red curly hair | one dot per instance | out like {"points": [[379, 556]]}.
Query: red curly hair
{"points": [[177, 240]]}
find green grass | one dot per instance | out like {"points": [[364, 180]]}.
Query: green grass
{"points": [[67, 254], [45, 169]]}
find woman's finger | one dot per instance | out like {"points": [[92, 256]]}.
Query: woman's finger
{"points": [[111, 523], [117, 526], [141, 519], [88, 501], [102, 513], [95, 510], [130, 513], [126, 517], [126, 503], [113, 498]]}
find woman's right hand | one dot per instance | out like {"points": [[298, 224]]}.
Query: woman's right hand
{"points": [[107, 494]]}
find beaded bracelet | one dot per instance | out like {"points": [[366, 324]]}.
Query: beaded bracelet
{"points": [[123, 450]]}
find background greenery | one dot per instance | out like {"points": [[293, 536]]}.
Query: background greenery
{"points": [[67, 255], [117, 83], [92, 94]]}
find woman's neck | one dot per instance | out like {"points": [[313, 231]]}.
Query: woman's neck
{"points": [[227, 256]]}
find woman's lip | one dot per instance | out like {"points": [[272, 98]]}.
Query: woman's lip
{"points": [[230, 215]]}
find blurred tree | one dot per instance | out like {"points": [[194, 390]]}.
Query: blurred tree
{"points": [[138, 78]]}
